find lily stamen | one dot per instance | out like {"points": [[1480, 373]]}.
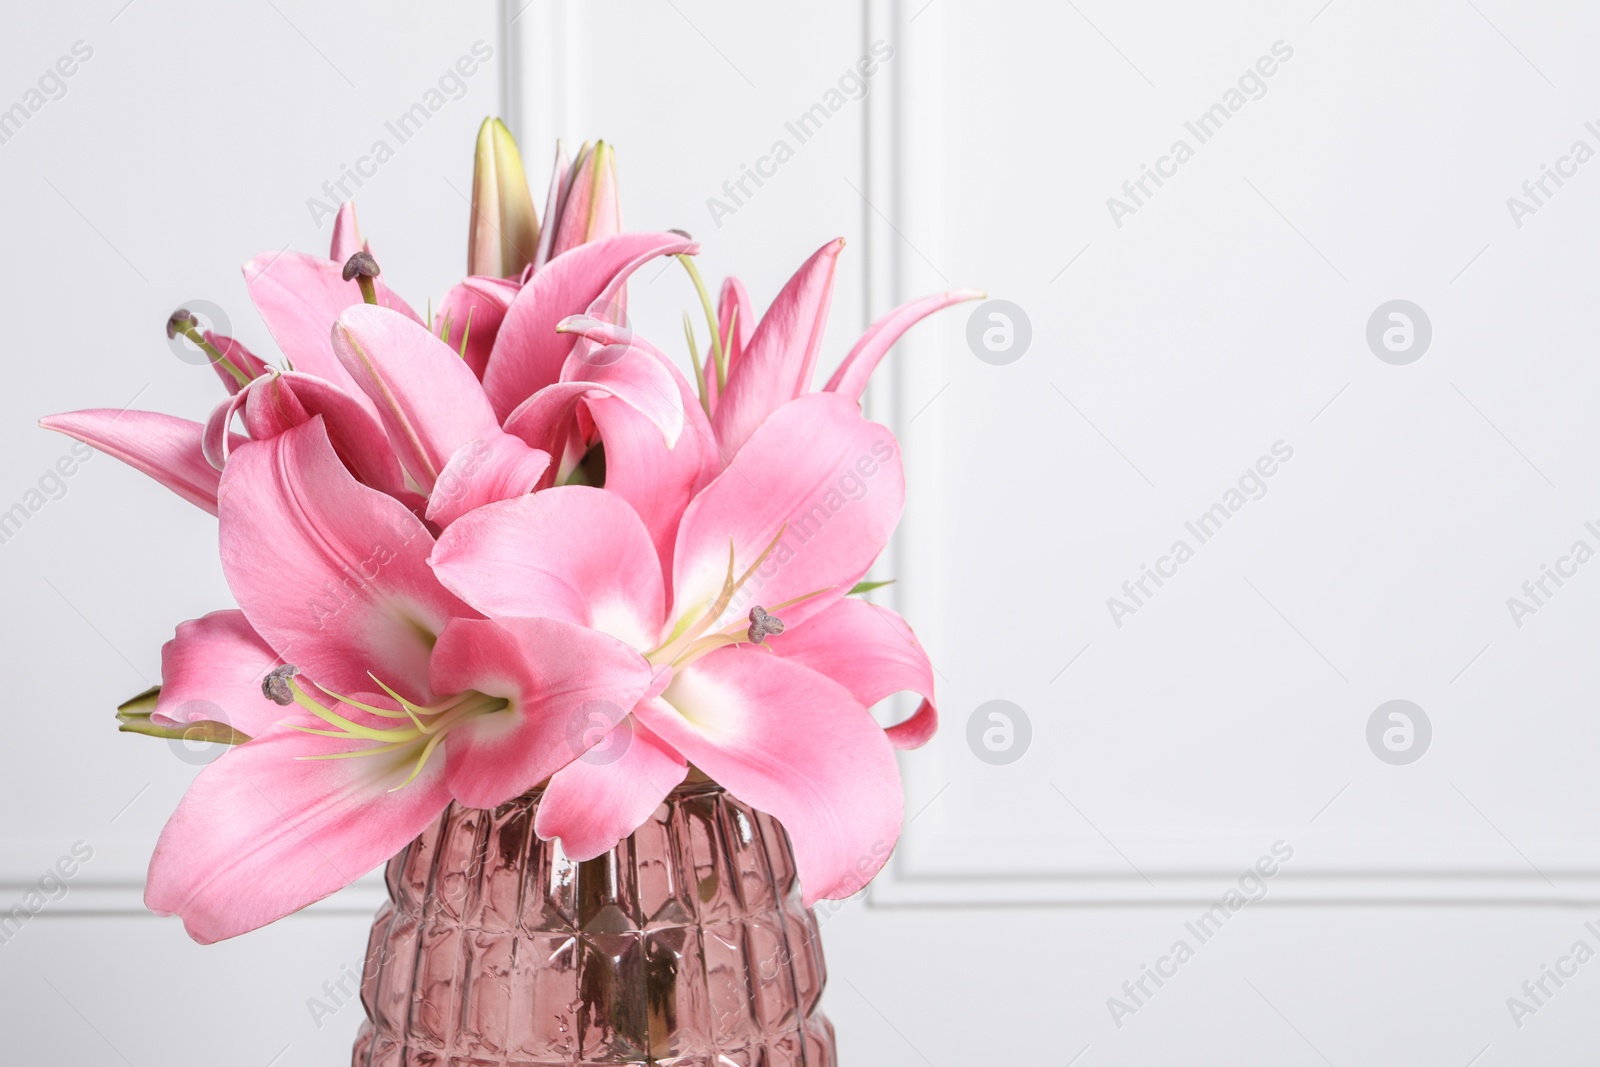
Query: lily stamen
{"points": [[428, 723], [183, 321], [687, 644], [362, 268]]}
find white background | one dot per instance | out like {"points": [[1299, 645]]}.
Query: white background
{"points": [[1168, 353]]}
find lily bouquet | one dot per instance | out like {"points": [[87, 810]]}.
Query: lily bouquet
{"points": [[511, 545]]}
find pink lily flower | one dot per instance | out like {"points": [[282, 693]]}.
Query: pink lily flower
{"points": [[332, 577], [770, 363], [762, 367], [301, 298], [807, 507]]}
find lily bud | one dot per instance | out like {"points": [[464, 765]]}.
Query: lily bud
{"points": [[591, 209], [504, 231], [133, 717]]}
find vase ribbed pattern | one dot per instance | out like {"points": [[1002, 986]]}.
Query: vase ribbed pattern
{"points": [[686, 945]]}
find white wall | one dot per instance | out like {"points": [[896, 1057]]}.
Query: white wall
{"points": [[1229, 312]]}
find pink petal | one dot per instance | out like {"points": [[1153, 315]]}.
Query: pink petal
{"points": [[734, 298], [782, 354], [607, 794], [262, 832], [560, 186], [851, 377], [791, 743], [212, 670], [548, 421], [528, 353], [217, 437], [284, 401], [481, 472], [573, 553], [823, 476], [429, 401], [332, 574], [658, 479], [346, 235], [237, 354], [591, 210], [871, 652], [165, 447], [630, 369], [299, 297], [568, 687], [733, 314], [477, 308]]}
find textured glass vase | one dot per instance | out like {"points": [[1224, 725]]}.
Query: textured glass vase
{"points": [[686, 945]]}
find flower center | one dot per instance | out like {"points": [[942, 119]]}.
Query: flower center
{"points": [[425, 725], [693, 637]]}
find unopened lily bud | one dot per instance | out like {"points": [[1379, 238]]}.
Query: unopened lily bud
{"points": [[591, 208], [503, 233], [134, 717]]}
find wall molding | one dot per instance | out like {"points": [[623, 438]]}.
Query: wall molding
{"points": [[906, 130]]}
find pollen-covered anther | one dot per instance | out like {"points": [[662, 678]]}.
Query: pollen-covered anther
{"points": [[362, 265], [362, 268], [763, 625], [182, 320], [275, 686]]}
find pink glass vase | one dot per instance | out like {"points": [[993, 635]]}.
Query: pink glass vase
{"points": [[685, 945]]}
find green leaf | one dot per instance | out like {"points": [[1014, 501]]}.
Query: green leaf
{"points": [[867, 587]]}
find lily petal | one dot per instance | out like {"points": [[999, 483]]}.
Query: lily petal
{"points": [[217, 437], [284, 401], [782, 354], [346, 235], [735, 320], [658, 477], [631, 369], [475, 309], [796, 745], [548, 421], [430, 403], [560, 186], [484, 471], [262, 831], [212, 669], [299, 296], [818, 473], [850, 379], [600, 798], [568, 687], [870, 651], [528, 352], [592, 210], [574, 553], [331, 573], [165, 447]]}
